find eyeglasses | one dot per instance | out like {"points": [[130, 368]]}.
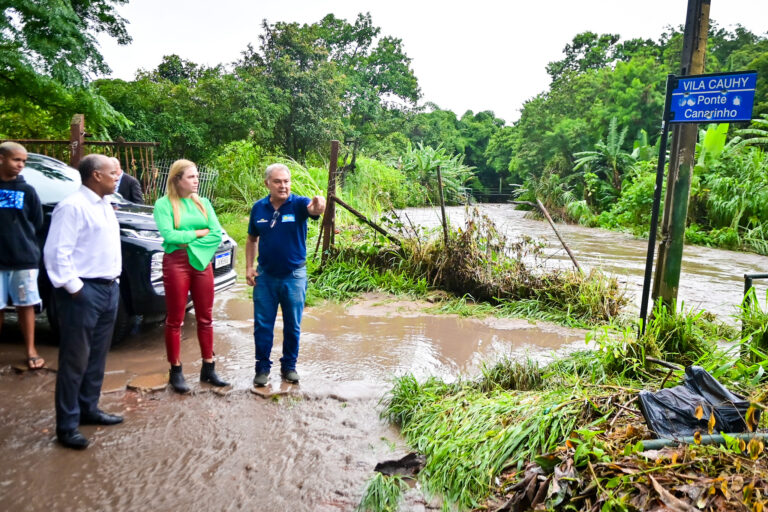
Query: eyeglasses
{"points": [[274, 219]]}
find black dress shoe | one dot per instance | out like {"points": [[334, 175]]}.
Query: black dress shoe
{"points": [[101, 418], [72, 439]]}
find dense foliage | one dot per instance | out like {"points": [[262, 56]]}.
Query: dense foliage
{"points": [[48, 54], [586, 146]]}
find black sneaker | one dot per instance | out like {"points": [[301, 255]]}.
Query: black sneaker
{"points": [[291, 376], [261, 379]]}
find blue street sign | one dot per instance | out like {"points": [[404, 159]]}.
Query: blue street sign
{"points": [[721, 98]]}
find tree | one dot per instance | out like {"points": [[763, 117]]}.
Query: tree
{"points": [[337, 79], [175, 69], [302, 80], [586, 51], [500, 150], [48, 54], [436, 127], [477, 130], [608, 157], [191, 115]]}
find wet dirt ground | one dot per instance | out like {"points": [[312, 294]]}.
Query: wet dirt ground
{"points": [[308, 447]]}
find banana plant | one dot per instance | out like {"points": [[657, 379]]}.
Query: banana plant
{"points": [[608, 157]]}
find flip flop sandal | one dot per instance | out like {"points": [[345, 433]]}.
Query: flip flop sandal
{"points": [[32, 363]]}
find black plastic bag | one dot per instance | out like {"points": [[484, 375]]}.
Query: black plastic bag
{"points": [[671, 412]]}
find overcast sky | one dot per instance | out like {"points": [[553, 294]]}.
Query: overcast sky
{"points": [[473, 55]]}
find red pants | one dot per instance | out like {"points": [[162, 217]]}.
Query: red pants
{"points": [[179, 279]]}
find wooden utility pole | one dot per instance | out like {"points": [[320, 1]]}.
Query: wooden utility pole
{"points": [[681, 162]]}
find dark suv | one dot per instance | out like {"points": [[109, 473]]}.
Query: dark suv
{"points": [[142, 294]]}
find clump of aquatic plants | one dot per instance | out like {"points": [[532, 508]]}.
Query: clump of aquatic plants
{"points": [[479, 264], [383, 493], [671, 335], [754, 322], [343, 278], [510, 374]]}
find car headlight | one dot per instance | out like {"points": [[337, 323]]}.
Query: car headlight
{"points": [[144, 234], [226, 238], [156, 266]]}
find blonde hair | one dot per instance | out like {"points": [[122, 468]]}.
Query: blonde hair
{"points": [[174, 175]]}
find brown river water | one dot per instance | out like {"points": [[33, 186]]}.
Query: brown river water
{"points": [[711, 279], [308, 447]]}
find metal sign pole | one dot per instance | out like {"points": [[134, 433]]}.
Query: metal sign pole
{"points": [[671, 79]]}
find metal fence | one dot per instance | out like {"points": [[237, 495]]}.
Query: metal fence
{"points": [[155, 182], [136, 158]]}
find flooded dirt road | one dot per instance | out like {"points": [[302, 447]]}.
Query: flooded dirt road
{"points": [[310, 447], [711, 279]]}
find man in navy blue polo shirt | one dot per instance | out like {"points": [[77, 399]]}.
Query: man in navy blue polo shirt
{"points": [[277, 233]]}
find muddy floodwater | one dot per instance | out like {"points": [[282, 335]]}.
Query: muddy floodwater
{"points": [[310, 447], [711, 279]]}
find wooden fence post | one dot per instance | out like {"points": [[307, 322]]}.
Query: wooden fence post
{"points": [[76, 139], [442, 207], [329, 218]]}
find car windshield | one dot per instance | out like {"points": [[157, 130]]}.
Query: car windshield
{"points": [[117, 198], [53, 180]]}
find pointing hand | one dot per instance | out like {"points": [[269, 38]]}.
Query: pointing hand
{"points": [[317, 205]]}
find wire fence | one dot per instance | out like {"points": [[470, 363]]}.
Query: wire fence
{"points": [[156, 182]]}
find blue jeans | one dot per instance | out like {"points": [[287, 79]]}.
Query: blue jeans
{"points": [[289, 293]]}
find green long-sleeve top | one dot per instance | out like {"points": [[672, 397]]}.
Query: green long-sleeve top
{"points": [[199, 250]]}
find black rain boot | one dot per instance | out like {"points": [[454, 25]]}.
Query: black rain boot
{"points": [[208, 374], [176, 379]]}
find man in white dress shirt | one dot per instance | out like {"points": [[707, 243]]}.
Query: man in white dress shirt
{"points": [[83, 260]]}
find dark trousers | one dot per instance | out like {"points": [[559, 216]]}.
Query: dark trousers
{"points": [[85, 325], [181, 280]]}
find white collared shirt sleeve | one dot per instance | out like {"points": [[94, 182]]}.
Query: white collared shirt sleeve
{"points": [[60, 246], [83, 241]]}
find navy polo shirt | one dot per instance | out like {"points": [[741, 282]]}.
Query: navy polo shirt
{"points": [[282, 243]]}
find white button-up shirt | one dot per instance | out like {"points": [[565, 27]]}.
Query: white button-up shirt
{"points": [[83, 241]]}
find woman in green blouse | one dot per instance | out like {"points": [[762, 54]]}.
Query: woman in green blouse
{"points": [[191, 234]]}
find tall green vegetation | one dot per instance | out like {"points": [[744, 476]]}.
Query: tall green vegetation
{"points": [[48, 54], [578, 138], [420, 165], [302, 86]]}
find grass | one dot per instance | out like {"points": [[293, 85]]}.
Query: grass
{"points": [[471, 436], [383, 493]]}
